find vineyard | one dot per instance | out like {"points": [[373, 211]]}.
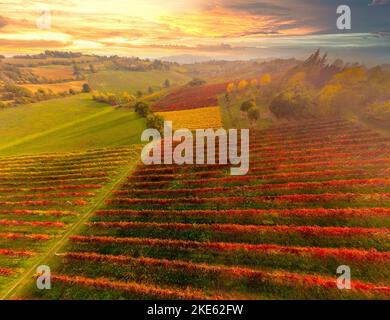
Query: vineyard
{"points": [[194, 97], [44, 197], [202, 118], [316, 197]]}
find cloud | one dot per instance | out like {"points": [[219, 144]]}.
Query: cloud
{"points": [[379, 2], [150, 26], [33, 44], [259, 7], [3, 22]]}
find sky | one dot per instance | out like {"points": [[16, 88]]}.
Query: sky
{"points": [[213, 29]]}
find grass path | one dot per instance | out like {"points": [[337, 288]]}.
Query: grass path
{"points": [[27, 276]]}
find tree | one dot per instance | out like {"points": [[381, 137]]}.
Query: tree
{"points": [[253, 83], [379, 111], [292, 104], [242, 85], [111, 99], [76, 70], [230, 88], [246, 105], [141, 108], [167, 83], [71, 91], [350, 77], [127, 98], [265, 79], [154, 121], [92, 68], [253, 114], [150, 90], [139, 94], [86, 87]]}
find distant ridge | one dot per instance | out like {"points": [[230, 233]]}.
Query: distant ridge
{"points": [[186, 59]]}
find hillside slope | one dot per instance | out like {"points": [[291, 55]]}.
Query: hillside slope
{"points": [[67, 124]]}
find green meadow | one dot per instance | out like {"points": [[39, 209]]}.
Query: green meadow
{"points": [[117, 82], [67, 124]]}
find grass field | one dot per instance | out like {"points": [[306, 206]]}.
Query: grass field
{"points": [[67, 124], [53, 72], [57, 87], [132, 81]]}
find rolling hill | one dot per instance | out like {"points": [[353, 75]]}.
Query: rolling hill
{"points": [[67, 124]]}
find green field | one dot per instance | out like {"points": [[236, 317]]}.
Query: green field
{"points": [[132, 81], [74, 123]]}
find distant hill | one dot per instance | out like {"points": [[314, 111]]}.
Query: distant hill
{"points": [[186, 59]]}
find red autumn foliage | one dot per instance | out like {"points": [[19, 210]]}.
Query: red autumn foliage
{"points": [[282, 199], [321, 253], [133, 287], [37, 212], [24, 236], [313, 231], [284, 278], [190, 98], [331, 213], [5, 272], [16, 253], [50, 195], [31, 223]]}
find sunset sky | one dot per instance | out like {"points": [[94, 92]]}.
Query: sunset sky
{"points": [[216, 29]]}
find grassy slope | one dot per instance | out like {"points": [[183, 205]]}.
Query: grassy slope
{"points": [[232, 117], [131, 81], [67, 124]]}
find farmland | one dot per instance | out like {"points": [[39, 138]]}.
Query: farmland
{"points": [[56, 87], [202, 118], [194, 97], [53, 73], [66, 124], [131, 81], [44, 197], [316, 197], [74, 195]]}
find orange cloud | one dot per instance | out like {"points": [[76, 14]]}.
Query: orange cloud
{"points": [[222, 23]]}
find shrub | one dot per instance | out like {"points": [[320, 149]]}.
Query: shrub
{"points": [[86, 87], [127, 98], [253, 114], [379, 111], [246, 105], [154, 121], [292, 105]]}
